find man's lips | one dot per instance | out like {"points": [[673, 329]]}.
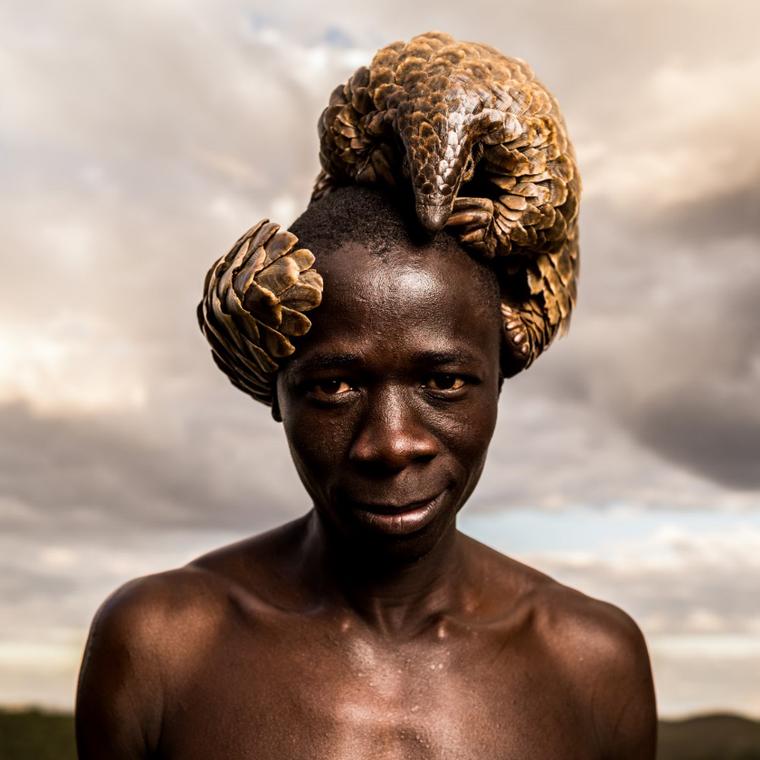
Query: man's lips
{"points": [[394, 508], [396, 517]]}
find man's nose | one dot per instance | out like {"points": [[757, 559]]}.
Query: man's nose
{"points": [[392, 434]]}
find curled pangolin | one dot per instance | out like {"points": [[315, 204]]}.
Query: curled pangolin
{"points": [[254, 300], [486, 150]]}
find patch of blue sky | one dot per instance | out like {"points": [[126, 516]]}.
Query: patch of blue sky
{"points": [[591, 530], [259, 21], [332, 35], [336, 37]]}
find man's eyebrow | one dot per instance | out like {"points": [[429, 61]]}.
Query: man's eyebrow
{"points": [[459, 356], [326, 361]]}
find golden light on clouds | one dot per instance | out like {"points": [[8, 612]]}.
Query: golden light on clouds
{"points": [[71, 365]]}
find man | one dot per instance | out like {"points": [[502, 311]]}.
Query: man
{"points": [[370, 627]]}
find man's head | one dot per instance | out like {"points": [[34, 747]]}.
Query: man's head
{"points": [[390, 400]]}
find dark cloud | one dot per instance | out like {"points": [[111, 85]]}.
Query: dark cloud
{"points": [[730, 213], [78, 472], [689, 379], [711, 433], [18, 584]]}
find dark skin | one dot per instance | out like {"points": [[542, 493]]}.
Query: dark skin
{"points": [[371, 627]]}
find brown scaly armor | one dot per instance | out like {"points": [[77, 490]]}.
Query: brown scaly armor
{"points": [[482, 147], [486, 152]]}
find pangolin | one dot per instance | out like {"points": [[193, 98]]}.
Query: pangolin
{"points": [[485, 149]]}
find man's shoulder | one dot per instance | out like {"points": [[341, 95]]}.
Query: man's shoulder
{"points": [[591, 646], [567, 620], [583, 625], [602, 653], [142, 640], [147, 628], [588, 640], [145, 608], [149, 610]]}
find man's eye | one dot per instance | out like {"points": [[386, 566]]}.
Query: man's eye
{"points": [[445, 382], [331, 388]]}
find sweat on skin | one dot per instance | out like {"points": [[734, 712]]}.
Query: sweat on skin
{"points": [[371, 627]]}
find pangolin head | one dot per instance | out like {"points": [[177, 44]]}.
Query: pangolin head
{"points": [[440, 156], [433, 215]]}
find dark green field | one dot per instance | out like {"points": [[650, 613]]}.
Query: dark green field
{"points": [[710, 737], [35, 735]]}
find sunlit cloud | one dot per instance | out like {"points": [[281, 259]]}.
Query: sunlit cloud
{"points": [[73, 364], [689, 136]]}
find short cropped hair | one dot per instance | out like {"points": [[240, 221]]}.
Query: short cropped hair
{"points": [[380, 221]]}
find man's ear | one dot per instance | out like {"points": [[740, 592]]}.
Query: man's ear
{"points": [[276, 416]]}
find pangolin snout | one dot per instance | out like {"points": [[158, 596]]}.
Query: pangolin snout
{"points": [[433, 216]]}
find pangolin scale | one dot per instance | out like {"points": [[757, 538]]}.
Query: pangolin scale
{"points": [[485, 149]]}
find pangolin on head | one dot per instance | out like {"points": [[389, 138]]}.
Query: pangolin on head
{"points": [[486, 151]]}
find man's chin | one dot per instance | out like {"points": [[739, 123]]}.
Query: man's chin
{"points": [[402, 534]]}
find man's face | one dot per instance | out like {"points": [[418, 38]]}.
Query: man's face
{"points": [[390, 402]]}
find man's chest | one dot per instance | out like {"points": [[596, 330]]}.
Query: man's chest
{"points": [[346, 700]]}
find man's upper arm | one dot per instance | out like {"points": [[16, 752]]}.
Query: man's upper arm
{"points": [[118, 709], [624, 699]]}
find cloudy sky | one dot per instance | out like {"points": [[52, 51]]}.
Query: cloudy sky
{"points": [[138, 140]]}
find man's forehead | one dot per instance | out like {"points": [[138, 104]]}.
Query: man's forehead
{"points": [[404, 285], [409, 267], [354, 266], [419, 301]]}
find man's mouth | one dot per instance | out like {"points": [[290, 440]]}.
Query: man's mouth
{"points": [[397, 517], [393, 508]]}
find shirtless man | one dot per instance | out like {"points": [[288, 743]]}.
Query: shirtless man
{"points": [[371, 628]]}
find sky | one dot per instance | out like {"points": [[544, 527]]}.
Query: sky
{"points": [[139, 140]]}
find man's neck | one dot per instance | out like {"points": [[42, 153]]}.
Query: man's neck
{"points": [[392, 592]]}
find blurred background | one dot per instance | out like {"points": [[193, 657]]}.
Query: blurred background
{"points": [[138, 140]]}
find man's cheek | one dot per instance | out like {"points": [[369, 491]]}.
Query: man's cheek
{"points": [[318, 448], [470, 433]]}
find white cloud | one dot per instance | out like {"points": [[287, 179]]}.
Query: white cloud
{"points": [[72, 364], [689, 135]]}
